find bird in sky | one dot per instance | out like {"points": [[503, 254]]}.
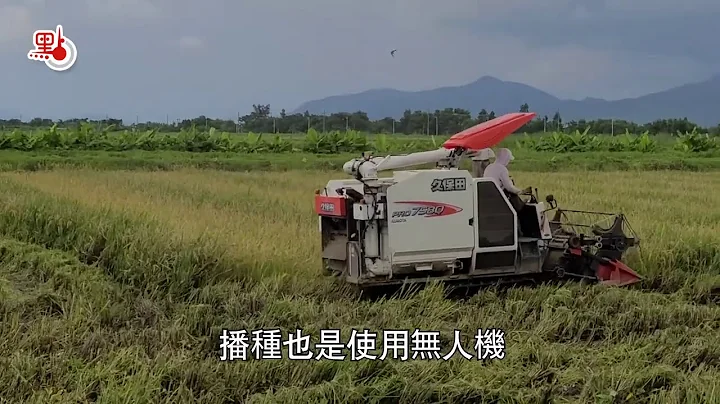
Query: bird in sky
{"points": [[392, 52]]}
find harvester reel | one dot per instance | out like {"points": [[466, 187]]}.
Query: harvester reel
{"points": [[612, 237], [592, 248]]}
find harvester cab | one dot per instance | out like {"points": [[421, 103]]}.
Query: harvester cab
{"points": [[446, 224]]}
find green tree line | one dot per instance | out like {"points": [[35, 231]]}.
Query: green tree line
{"points": [[86, 137], [439, 122]]}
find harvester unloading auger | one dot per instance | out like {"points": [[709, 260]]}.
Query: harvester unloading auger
{"points": [[444, 224]]}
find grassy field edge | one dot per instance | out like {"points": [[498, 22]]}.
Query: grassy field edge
{"points": [[164, 161]]}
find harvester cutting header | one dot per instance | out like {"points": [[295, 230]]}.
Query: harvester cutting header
{"points": [[449, 225]]}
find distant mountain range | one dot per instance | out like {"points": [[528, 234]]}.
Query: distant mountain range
{"points": [[698, 102]]}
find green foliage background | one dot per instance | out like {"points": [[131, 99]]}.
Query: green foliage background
{"points": [[87, 137]]}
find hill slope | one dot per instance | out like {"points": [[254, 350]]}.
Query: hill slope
{"points": [[699, 102]]}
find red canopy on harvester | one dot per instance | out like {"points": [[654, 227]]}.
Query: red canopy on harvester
{"points": [[490, 133]]}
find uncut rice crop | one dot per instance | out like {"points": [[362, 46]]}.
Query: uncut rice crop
{"points": [[115, 286]]}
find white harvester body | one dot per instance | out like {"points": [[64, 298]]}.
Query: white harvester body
{"points": [[445, 224]]}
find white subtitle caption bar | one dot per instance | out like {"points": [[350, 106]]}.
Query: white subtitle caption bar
{"points": [[396, 344]]}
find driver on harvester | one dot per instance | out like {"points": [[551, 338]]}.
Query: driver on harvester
{"points": [[499, 172]]}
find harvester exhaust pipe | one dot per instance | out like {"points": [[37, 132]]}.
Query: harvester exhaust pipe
{"points": [[479, 162], [478, 167]]}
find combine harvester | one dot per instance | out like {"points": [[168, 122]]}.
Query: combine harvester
{"points": [[444, 224]]}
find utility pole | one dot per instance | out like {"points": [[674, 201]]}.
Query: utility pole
{"points": [[323, 121], [612, 127], [436, 125], [308, 124], [428, 122], [237, 124], [274, 125], [347, 123], [393, 126]]}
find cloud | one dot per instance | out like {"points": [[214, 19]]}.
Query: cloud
{"points": [[662, 7], [136, 9], [190, 42], [284, 52], [16, 24], [673, 35], [435, 50]]}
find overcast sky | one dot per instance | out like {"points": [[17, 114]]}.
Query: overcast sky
{"points": [[182, 58]]}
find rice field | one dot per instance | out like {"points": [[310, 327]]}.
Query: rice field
{"points": [[116, 285]]}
